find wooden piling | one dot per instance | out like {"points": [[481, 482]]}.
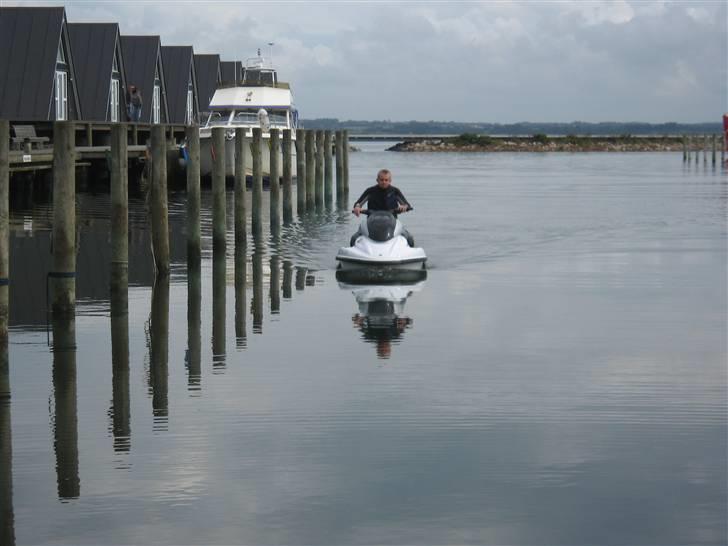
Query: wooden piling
{"points": [[219, 219], [119, 197], [310, 169], [722, 148], [255, 149], [685, 148], [714, 139], [241, 228], [159, 207], [300, 170], [287, 178], [62, 277], [345, 138], [705, 149], [65, 431], [89, 135], [194, 248], [135, 134], [328, 170], [4, 235], [339, 167], [319, 169], [275, 184], [7, 515]]}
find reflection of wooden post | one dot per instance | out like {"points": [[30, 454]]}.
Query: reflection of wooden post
{"points": [[7, 516], [339, 167], [159, 351], [257, 182], [319, 169], [328, 170], [705, 149], [300, 170], [275, 285], [685, 148], [241, 228], [194, 337], [722, 148], [160, 221], [715, 143], [63, 275], [219, 289], [300, 279], [310, 170], [219, 220], [121, 413], [287, 280], [240, 281], [4, 234], [66, 416], [287, 177], [345, 135], [275, 183], [257, 302], [119, 197], [192, 133]]}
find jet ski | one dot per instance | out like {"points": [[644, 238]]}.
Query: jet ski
{"points": [[381, 251]]}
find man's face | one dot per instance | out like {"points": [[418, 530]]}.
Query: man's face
{"points": [[384, 180]]}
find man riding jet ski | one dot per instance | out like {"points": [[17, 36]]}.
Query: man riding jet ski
{"points": [[381, 250]]}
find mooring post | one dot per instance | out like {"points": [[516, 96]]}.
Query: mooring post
{"points": [[119, 198], [300, 171], [287, 177], [685, 148], [89, 135], [345, 135], [218, 188], [160, 213], [4, 236], [135, 134], [705, 149], [328, 170], [310, 169], [241, 229], [319, 169], [722, 148], [275, 183], [62, 278], [240, 310], [192, 135], [339, 167], [715, 145], [255, 148]]}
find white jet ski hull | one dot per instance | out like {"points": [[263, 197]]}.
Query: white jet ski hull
{"points": [[381, 262]]}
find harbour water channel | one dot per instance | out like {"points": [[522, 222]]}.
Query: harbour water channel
{"points": [[559, 378]]}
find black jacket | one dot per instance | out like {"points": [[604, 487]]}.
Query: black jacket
{"points": [[380, 199]]}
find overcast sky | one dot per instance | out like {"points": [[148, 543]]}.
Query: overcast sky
{"points": [[616, 60]]}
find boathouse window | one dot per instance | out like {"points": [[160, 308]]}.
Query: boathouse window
{"points": [[156, 104], [61, 85], [189, 107], [114, 93]]}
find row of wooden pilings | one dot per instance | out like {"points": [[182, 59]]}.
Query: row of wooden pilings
{"points": [[314, 190], [708, 144]]}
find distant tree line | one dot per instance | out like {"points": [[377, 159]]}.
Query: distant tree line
{"points": [[515, 129]]}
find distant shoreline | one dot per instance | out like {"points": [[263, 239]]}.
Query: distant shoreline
{"points": [[544, 143]]}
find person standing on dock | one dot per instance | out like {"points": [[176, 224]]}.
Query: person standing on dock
{"points": [[382, 196], [135, 104]]}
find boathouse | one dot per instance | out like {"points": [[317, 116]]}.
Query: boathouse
{"points": [[37, 76], [179, 70], [207, 70], [99, 70], [144, 69], [231, 72]]}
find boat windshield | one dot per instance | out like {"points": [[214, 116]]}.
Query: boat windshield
{"points": [[277, 118], [219, 117]]}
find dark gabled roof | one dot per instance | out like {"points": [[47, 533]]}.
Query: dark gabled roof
{"points": [[29, 42], [178, 69], [231, 72], [207, 70], [141, 54], [93, 46]]}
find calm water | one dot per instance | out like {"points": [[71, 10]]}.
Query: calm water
{"points": [[559, 378]]}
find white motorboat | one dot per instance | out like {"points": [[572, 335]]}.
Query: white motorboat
{"points": [[381, 251], [259, 101]]}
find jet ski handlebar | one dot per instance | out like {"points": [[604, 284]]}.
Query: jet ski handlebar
{"points": [[367, 212]]}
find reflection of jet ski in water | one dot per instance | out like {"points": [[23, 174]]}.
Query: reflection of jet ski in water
{"points": [[381, 308], [381, 251]]}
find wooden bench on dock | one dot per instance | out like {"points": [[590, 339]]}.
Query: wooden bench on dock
{"points": [[26, 133]]}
